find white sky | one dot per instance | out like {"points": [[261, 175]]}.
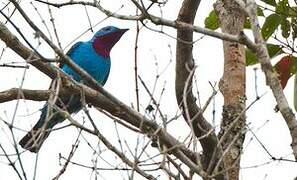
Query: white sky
{"points": [[71, 21]]}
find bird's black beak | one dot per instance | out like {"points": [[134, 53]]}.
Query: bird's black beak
{"points": [[118, 34], [123, 30]]}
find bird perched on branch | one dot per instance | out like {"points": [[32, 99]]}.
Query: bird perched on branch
{"points": [[93, 57]]}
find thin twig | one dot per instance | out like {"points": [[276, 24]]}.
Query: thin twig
{"points": [[72, 151], [136, 63]]}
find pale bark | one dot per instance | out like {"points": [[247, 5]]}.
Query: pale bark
{"points": [[259, 48], [232, 85]]}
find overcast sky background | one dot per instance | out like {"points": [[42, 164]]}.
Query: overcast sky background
{"points": [[152, 48]]}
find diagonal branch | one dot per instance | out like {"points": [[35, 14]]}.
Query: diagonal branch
{"points": [[271, 75], [106, 142], [106, 101]]}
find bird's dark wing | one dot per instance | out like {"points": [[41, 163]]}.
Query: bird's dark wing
{"points": [[70, 51]]}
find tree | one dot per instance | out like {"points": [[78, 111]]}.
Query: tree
{"points": [[220, 153]]}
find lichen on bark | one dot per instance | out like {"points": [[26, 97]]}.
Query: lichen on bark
{"points": [[232, 86]]}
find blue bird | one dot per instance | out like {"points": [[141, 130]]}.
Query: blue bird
{"points": [[93, 57]]}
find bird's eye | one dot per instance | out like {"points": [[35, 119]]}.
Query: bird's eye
{"points": [[107, 29]]}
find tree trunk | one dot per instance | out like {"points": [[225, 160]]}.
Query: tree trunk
{"points": [[183, 83], [232, 85]]}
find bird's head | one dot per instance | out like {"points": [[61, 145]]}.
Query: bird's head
{"points": [[106, 38]]}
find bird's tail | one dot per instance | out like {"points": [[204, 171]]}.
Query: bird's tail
{"points": [[33, 140]]}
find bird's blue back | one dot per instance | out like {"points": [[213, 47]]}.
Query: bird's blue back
{"points": [[84, 55], [93, 57]]}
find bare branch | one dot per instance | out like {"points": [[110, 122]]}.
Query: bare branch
{"points": [[184, 67], [158, 21], [103, 100], [271, 75], [106, 143]]}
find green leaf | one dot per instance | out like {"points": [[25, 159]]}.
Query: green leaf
{"points": [[295, 93], [212, 21], [247, 24], [273, 50], [250, 57], [294, 71], [259, 11], [270, 25], [283, 8], [293, 68], [286, 28], [294, 28], [293, 11], [270, 2]]}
